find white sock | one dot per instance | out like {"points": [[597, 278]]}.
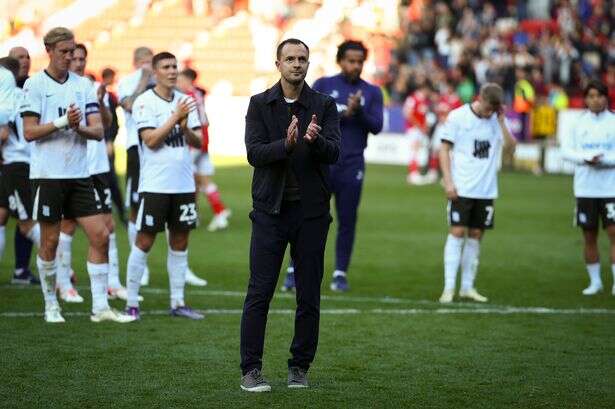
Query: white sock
{"points": [[136, 264], [177, 264], [132, 233], [2, 240], [114, 266], [452, 259], [35, 235], [98, 284], [64, 259], [613, 271], [47, 274], [339, 273], [469, 263], [594, 274]]}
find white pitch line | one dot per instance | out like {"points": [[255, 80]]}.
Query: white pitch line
{"points": [[377, 311], [289, 296]]}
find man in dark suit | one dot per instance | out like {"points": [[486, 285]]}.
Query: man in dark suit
{"points": [[292, 136]]}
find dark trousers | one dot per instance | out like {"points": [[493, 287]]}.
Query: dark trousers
{"points": [[270, 236], [346, 183]]}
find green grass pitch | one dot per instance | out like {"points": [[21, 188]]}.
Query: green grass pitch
{"points": [[385, 344]]}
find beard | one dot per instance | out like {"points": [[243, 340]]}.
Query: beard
{"points": [[294, 80]]}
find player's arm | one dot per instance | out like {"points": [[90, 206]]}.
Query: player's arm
{"points": [[372, 117], [105, 113], [129, 101], [326, 146], [94, 129], [154, 137], [260, 150], [571, 153], [449, 132], [509, 139], [445, 167], [193, 136], [191, 126], [34, 130]]}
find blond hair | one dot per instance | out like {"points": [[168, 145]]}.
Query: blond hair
{"points": [[140, 53], [492, 94], [55, 35]]}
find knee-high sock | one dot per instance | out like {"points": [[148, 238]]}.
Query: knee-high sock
{"points": [[34, 235], [2, 240], [132, 233], [114, 267], [469, 263], [452, 259], [213, 197], [23, 251], [47, 274], [177, 264], [594, 274], [98, 284], [136, 264], [64, 258]]}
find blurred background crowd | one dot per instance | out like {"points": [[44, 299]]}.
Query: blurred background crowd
{"points": [[435, 51]]}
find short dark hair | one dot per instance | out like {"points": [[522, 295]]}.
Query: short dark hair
{"points": [[165, 55], [189, 73], [598, 86], [108, 72], [350, 45], [82, 46], [295, 41], [10, 64]]}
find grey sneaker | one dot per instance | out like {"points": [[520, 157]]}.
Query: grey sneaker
{"points": [[297, 377], [253, 381]]}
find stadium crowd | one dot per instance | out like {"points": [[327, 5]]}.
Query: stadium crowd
{"points": [[543, 53]]}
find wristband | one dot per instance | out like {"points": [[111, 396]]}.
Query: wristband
{"points": [[61, 122]]}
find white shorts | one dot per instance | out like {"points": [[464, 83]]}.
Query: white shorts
{"points": [[201, 164]]}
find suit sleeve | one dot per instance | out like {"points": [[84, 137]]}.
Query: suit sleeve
{"points": [[371, 116], [260, 150], [326, 148]]}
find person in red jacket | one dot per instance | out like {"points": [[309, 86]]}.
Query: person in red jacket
{"points": [[203, 167]]}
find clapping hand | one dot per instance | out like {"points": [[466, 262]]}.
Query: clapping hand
{"points": [[595, 160], [74, 116], [292, 133], [353, 103], [184, 107], [312, 131]]}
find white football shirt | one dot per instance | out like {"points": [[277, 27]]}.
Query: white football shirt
{"points": [[168, 168], [63, 154], [592, 135], [126, 87], [98, 160], [476, 148], [7, 90], [16, 149]]}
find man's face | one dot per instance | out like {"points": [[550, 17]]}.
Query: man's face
{"points": [[78, 62], [595, 101], [352, 64], [166, 72], [61, 55], [485, 109], [184, 84], [145, 62], [21, 55], [293, 63]]}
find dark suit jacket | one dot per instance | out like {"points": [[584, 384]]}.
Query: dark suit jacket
{"points": [[266, 123]]}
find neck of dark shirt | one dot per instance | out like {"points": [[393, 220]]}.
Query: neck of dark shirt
{"points": [[291, 91]]}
